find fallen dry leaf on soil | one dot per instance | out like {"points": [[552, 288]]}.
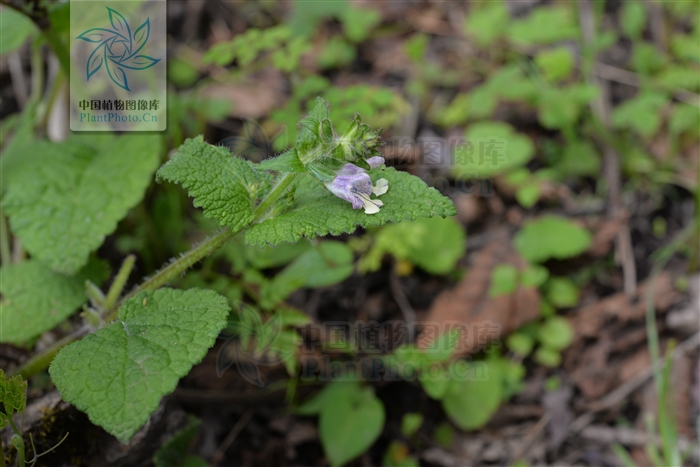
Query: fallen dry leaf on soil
{"points": [[591, 364], [469, 302], [619, 308]]}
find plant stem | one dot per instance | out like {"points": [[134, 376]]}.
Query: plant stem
{"points": [[37, 73], [177, 267], [119, 282], [59, 49], [5, 253], [53, 97], [17, 442], [207, 247], [661, 257], [42, 360], [276, 192]]}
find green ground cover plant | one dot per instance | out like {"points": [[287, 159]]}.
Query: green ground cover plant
{"points": [[229, 233]]}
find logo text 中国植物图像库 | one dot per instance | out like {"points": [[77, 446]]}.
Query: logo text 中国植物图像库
{"points": [[119, 104]]}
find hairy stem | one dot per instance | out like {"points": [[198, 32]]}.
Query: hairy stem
{"points": [[201, 251], [59, 49], [42, 360], [274, 195], [5, 253], [17, 442], [176, 268], [172, 271]]}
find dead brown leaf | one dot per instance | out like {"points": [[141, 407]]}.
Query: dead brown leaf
{"points": [[592, 365], [469, 302], [604, 233], [588, 320]]}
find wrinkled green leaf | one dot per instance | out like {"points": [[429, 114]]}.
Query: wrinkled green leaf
{"points": [[66, 197], [119, 374], [35, 298], [13, 394], [224, 186], [317, 212]]}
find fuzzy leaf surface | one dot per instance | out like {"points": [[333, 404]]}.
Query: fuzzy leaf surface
{"points": [[317, 212], [119, 374], [13, 396], [68, 196], [35, 298], [223, 185]]}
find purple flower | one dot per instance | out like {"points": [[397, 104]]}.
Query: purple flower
{"points": [[352, 183]]}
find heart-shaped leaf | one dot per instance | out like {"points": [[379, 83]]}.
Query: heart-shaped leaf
{"points": [[118, 375], [35, 298], [474, 394], [350, 424]]}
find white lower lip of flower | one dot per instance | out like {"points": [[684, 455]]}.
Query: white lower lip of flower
{"points": [[381, 187], [371, 205]]}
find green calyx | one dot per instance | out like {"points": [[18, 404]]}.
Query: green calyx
{"points": [[322, 152]]}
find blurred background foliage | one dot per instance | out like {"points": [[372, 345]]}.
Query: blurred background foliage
{"points": [[595, 106]]}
